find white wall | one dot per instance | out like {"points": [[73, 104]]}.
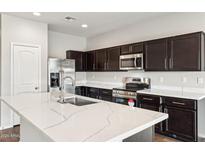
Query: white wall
{"points": [[58, 43], [16, 29], [175, 24], [168, 25]]}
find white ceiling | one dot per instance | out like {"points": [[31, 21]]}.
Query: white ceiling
{"points": [[98, 22]]}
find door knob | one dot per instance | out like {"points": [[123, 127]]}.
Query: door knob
{"points": [[36, 88]]}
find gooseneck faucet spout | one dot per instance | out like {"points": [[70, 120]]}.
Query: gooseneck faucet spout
{"points": [[62, 84]]}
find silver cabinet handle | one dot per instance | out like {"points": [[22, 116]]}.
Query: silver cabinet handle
{"points": [[165, 63], [105, 92], [160, 109], [170, 62], [166, 121], [149, 99], [178, 103]]}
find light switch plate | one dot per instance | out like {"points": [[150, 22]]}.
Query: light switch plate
{"points": [[200, 80]]}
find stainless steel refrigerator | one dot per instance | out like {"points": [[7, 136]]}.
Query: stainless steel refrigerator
{"points": [[57, 70]]}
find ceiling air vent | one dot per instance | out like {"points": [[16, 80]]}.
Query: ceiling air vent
{"points": [[70, 18]]}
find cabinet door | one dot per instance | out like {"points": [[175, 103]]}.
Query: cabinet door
{"points": [[151, 102], [93, 92], [159, 126], [90, 61], [80, 90], [79, 59], [181, 124], [185, 52], [156, 55], [137, 48], [113, 55], [101, 59], [105, 94], [125, 49]]}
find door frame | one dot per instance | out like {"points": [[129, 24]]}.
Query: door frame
{"points": [[13, 44]]}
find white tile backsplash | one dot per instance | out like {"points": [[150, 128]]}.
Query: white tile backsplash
{"points": [[158, 79]]}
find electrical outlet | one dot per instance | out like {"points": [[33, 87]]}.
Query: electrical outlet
{"points": [[184, 80], [115, 77], [161, 79], [93, 76]]}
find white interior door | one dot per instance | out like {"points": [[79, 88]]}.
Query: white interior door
{"points": [[26, 71]]}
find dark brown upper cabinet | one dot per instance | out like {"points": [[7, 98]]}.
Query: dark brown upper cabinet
{"points": [[132, 48], [156, 55], [79, 59], [113, 55], [90, 61], [186, 52], [101, 60], [178, 53], [126, 49]]}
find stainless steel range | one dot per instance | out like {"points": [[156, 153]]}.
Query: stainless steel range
{"points": [[129, 90]]}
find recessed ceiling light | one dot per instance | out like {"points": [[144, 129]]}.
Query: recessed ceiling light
{"points": [[36, 13], [84, 26], [70, 18]]}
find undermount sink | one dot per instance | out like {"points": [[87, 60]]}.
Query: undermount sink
{"points": [[76, 101]]}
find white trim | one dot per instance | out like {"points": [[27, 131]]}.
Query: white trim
{"points": [[12, 62]]}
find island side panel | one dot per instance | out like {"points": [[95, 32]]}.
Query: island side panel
{"points": [[29, 133], [201, 120], [146, 135]]}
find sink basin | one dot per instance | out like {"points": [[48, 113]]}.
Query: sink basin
{"points": [[76, 101]]}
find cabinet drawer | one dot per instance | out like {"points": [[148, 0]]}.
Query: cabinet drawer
{"points": [[180, 102], [149, 99], [105, 92], [93, 90]]}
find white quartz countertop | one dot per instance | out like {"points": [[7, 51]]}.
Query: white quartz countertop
{"points": [[173, 93], [103, 85], [102, 121]]}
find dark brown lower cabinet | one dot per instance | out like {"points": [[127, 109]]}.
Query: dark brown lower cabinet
{"points": [[159, 126], [151, 102], [105, 94], [93, 92], [181, 124], [81, 90], [182, 121]]}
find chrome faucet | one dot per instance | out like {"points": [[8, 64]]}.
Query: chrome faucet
{"points": [[62, 89]]}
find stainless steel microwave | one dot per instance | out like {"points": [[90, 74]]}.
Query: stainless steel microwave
{"points": [[131, 62]]}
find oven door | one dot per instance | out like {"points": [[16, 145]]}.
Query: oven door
{"points": [[131, 62], [123, 101]]}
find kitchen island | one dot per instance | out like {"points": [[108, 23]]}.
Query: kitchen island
{"points": [[44, 119]]}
